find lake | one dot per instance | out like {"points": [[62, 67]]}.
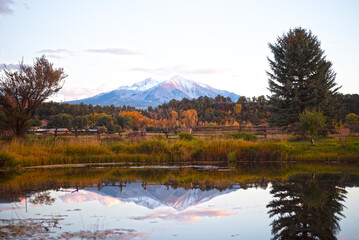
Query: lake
{"points": [[235, 201]]}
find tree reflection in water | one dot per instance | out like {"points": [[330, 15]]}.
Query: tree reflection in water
{"points": [[307, 207]]}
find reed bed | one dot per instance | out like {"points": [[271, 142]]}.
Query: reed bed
{"points": [[72, 151]]}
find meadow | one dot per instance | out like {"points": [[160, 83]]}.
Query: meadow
{"points": [[158, 150]]}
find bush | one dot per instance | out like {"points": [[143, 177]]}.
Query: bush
{"points": [[311, 122], [186, 136], [240, 135]]}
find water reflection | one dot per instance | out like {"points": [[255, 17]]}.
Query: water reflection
{"points": [[150, 196], [307, 206], [247, 202], [42, 198]]}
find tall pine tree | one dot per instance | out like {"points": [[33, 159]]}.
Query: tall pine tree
{"points": [[301, 78]]}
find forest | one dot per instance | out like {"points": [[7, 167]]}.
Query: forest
{"points": [[203, 111]]}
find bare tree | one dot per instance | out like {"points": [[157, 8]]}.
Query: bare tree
{"points": [[23, 90]]}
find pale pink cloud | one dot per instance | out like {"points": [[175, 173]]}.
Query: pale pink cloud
{"points": [[116, 51], [187, 216], [128, 236], [56, 51], [84, 196], [178, 69], [11, 208], [54, 56], [79, 93]]}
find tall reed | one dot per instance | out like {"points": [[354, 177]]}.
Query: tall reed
{"points": [[65, 151]]}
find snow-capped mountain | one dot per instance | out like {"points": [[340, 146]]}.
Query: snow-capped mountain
{"points": [[153, 93], [159, 195], [141, 86]]}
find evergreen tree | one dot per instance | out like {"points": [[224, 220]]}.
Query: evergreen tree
{"points": [[301, 78]]}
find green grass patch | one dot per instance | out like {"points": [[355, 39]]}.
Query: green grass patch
{"points": [[185, 136], [241, 135]]}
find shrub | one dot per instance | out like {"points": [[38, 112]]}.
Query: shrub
{"points": [[311, 122], [240, 135], [186, 136]]}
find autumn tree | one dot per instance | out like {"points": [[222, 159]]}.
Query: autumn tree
{"points": [[173, 119], [237, 112], [23, 90], [351, 118], [137, 119], [300, 78], [190, 118]]}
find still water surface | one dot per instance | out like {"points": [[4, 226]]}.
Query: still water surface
{"points": [[278, 202]]}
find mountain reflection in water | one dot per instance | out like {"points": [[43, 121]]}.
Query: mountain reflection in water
{"points": [[247, 202], [152, 196]]}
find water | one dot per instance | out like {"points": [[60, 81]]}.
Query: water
{"points": [[193, 202]]}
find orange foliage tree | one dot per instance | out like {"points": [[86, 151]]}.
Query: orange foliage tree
{"points": [[190, 118], [138, 120], [173, 120]]}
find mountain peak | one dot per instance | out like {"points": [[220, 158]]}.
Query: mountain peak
{"points": [[150, 92], [141, 86], [180, 83]]}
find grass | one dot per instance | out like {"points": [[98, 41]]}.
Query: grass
{"points": [[241, 135], [31, 152]]}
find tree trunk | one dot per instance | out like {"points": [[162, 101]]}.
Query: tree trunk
{"points": [[312, 141]]}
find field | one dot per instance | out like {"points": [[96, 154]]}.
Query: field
{"points": [[156, 149]]}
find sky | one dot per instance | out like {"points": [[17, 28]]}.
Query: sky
{"points": [[103, 45]]}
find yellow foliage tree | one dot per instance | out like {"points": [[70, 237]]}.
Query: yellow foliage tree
{"points": [[190, 118], [351, 118], [173, 119], [137, 118], [238, 108]]}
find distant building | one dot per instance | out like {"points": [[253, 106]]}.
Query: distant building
{"points": [[51, 131]]}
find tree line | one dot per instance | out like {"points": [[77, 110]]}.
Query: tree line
{"points": [[301, 81], [206, 111]]}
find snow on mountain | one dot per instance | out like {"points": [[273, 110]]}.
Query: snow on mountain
{"points": [[141, 86], [152, 93], [159, 195]]}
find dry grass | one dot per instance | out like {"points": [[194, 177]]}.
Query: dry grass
{"points": [[70, 151]]}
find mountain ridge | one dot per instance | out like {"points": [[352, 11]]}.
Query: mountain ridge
{"points": [[150, 92]]}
